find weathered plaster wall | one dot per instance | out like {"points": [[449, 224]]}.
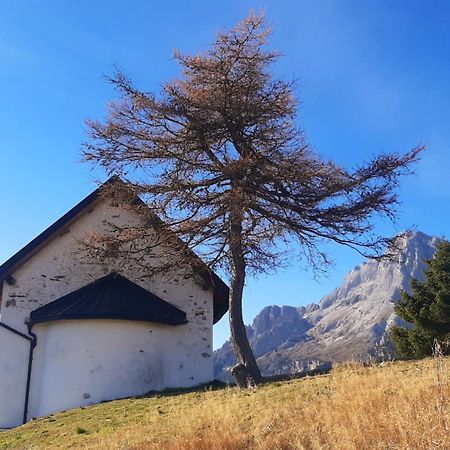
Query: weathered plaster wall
{"points": [[14, 351], [59, 268]]}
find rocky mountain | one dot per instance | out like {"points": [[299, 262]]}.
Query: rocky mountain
{"points": [[351, 323]]}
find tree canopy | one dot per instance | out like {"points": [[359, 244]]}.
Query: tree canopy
{"points": [[219, 156]]}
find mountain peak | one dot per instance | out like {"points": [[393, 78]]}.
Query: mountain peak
{"points": [[349, 323]]}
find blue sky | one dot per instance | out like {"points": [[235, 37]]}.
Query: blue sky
{"points": [[372, 76]]}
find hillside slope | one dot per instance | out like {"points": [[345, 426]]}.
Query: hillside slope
{"points": [[351, 323], [396, 406]]}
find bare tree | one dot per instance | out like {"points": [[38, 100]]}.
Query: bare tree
{"points": [[218, 156]]}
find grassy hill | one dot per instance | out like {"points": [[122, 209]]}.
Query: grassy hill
{"points": [[401, 405]]}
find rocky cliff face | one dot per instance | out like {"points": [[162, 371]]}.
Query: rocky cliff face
{"points": [[351, 323]]}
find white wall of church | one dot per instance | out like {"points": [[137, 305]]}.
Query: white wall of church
{"points": [[59, 268], [84, 362], [14, 351]]}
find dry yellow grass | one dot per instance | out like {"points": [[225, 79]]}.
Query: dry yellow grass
{"points": [[398, 406]]}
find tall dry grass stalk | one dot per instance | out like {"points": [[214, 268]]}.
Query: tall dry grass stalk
{"points": [[440, 350]]}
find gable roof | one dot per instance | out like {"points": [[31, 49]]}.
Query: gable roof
{"points": [[110, 297], [221, 290]]}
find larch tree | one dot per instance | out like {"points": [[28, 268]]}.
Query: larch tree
{"points": [[218, 156]]}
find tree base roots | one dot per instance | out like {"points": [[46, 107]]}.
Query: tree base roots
{"points": [[244, 378]]}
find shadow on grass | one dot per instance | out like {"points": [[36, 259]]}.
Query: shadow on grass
{"points": [[321, 370], [215, 385], [218, 384]]}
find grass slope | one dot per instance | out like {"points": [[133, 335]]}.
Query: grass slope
{"points": [[401, 405]]}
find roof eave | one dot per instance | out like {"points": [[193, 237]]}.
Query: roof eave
{"points": [[43, 320], [25, 253]]}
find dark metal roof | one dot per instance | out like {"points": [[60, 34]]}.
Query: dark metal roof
{"points": [[220, 296], [221, 290], [110, 297]]}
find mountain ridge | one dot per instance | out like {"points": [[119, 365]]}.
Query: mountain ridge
{"points": [[349, 323]]}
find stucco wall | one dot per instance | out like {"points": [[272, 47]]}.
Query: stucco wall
{"points": [[85, 362], [14, 351], [59, 268]]}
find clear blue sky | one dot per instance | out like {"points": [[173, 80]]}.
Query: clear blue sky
{"points": [[373, 76]]}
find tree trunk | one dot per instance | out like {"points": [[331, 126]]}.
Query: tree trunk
{"points": [[246, 373]]}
